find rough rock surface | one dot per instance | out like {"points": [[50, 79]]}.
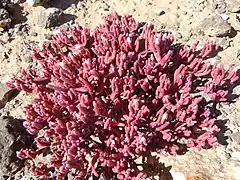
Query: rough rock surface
{"points": [[6, 94], [236, 137], [49, 17], [13, 137], [220, 6], [215, 26], [233, 6]]}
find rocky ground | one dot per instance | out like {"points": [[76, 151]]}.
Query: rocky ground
{"points": [[24, 27]]}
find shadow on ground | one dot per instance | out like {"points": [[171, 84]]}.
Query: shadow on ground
{"points": [[61, 4], [151, 165], [16, 12], [67, 18]]}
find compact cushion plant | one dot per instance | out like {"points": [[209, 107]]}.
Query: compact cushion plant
{"points": [[106, 98]]}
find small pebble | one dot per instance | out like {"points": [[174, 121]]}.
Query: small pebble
{"points": [[228, 155], [178, 35], [228, 132], [160, 12], [28, 59], [65, 26], [34, 33], [48, 36]]}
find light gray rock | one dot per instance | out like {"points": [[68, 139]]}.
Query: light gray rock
{"points": [[49, 17], [3, 90], [220, 7], [224, 42], [6, 94], [34, 2], [236, 137], [233, 6], [228, 132], [215, 26], [235, 21]]}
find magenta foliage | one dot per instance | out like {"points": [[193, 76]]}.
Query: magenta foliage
{"points": [[107, 98]]}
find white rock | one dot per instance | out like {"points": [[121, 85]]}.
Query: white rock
{"points": [[237, 173], [33, 2], [224, 16], [178, 176]]}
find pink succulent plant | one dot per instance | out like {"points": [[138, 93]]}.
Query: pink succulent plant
{"points": [[105, 99]]}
